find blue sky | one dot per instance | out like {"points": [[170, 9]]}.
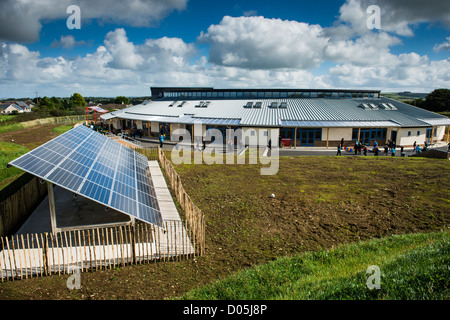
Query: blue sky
{"points": [[124, 47]]}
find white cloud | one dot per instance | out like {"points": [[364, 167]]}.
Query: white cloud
{"points": [[67, 42], [397, 16], [260, 43], [123, 52], [369, 49], [21, 19], [405, 71], [445, 46]]}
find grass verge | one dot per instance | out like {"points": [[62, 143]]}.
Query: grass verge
{"points": [[11, 127], [61, 129], [412, 267], [8, 152]]}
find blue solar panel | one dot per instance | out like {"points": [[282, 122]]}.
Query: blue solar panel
{"points": [[96, 167]]}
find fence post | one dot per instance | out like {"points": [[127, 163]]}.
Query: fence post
{"points": [[133, 244], [44, 253]]}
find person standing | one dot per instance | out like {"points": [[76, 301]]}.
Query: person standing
{"points": [[161, 140], [338, 150]]}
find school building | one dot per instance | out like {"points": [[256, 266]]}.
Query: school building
{"points": [[304, 117]]}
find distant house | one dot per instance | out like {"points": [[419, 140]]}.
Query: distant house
{"points": [[10, 107], [24, 106], [30, 104]]}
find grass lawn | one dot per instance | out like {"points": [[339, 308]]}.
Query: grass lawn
{"points": [[10, 127], [61, 129], [411, 267], [8, 152]]}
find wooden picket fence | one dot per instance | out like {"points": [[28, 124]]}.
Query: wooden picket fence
{"points": [[193, 215], [34, 255]]}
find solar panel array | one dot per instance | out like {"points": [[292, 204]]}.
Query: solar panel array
{"points": [[96, 167]]}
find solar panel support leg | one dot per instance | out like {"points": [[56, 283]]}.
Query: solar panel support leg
{"points": [[51, 204]]}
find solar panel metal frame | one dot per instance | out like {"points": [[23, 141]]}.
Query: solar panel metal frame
{"points": [[100, 169]]}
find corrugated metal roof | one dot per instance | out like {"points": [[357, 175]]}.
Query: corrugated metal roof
{"points": [[317, 112], [437, 122], [334, 124]]}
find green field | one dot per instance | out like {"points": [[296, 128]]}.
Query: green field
{"points": [[412, 267], [10, 127], [61, 129], [10, 150]]}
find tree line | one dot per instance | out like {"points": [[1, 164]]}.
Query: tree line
{"points": [[437, 101], [74, 105]]}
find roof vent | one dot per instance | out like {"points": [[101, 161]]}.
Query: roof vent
{"points": [[283, 105], [248, 105], [273, 105], [392, 106], [172, 104], [257, 105], [365, 106], [387, 106]]}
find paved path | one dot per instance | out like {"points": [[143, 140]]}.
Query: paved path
{"points": [[165, 201]]}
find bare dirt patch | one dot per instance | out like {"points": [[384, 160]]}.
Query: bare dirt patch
{"points": [[30, 137]]}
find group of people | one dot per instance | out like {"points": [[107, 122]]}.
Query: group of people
{"points": [[360, 148], [417, 148], [389, 148]]}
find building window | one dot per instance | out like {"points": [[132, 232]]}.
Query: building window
{"points": [[409, 133], [355, 134], [418, 133]]}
